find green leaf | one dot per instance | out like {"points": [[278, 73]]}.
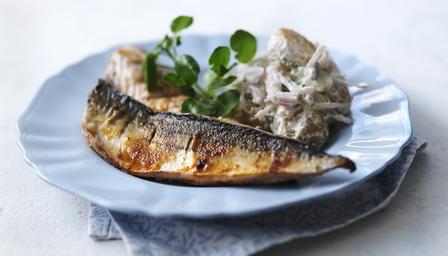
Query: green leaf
{"points": [[172, 79], [194, 106], [244, 44], [187, 69], [230, 79], [177, 40], [166, 43], [150, 70], [228, 101], [181, 23], [209, 77], [219, 60], [218, 83]]}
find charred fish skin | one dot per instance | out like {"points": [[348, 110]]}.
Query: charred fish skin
{"points": [[194, 149]]}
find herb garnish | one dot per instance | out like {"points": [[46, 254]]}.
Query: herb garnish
{"points": [[166, 47], [212, 98], [289, 63]]}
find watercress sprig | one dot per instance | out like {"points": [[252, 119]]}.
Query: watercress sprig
{"points": [[166, 47], [211, 99]]}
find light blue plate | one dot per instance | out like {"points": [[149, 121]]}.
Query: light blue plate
{"points": [[50, 137]]}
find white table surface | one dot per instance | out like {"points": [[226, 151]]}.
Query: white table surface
{"points": [[406, 39]]}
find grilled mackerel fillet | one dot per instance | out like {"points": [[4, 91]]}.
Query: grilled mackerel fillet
{"points": [[191, 148]]}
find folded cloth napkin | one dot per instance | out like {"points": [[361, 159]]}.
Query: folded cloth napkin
{"points": [[146, 235]]}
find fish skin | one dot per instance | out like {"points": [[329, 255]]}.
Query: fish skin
{"points": [[191, 148]]}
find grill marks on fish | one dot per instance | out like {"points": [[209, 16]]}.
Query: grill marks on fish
{"points": [[191, 148]]}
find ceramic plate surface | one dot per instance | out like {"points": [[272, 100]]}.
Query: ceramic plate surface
{"points": [[50, 137]]}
